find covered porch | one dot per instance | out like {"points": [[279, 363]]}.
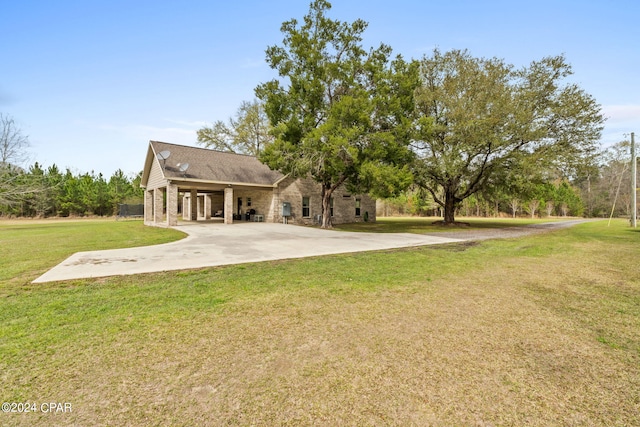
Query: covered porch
{"points": [[197, 184], [165, 206]]}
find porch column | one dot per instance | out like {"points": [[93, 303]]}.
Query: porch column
{"points": [[185, 207], [228, 205], [207, 206], [201, 212], [157, 206], [172, 205], [148, 207], [194, 205]]}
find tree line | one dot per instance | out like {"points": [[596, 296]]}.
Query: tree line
{"points": [[549, 199], [45, 192]]}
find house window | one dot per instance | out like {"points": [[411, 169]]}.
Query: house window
{"points": [[331, 205], [305, 207], [248, 201], [357, 207]]}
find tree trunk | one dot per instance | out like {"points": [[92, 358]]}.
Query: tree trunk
{"points": [[326, 205], [450, 205], [515, 203], [533, 207], [550, 207]]}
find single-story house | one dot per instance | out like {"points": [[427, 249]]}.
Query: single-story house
{"points": [[204, 184]]}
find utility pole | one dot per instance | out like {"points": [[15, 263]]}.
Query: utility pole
{"points": [[634, 185]]}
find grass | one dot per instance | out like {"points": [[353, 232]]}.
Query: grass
{"points": [[28, 248], [421, 225], [543, 330]]}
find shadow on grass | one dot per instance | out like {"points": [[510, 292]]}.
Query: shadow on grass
{"points": [[423, 225], [453, 247]]}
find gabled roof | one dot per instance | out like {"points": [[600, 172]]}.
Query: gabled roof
{"points": [[207, 165]]}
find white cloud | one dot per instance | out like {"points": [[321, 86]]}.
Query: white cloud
{"points": [[621, 121], [196, 124], [622, 113], [253, 63], [185, 135]]}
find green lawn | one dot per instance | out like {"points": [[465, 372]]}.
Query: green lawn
{"points": [[543, 330], [28, 248]]}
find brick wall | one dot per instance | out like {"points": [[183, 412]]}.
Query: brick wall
{"points": [[344, 203], [261, 200]]}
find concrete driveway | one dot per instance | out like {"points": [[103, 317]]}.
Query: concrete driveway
{"points": [[209, 245]]}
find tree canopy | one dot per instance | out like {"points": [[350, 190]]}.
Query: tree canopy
{"points": [[13, 143], [13, 153], [340, 114], [246, 134], [488, 120]]}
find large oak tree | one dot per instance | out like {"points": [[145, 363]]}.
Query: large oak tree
{"points": [[340, 114], [483, 120]]}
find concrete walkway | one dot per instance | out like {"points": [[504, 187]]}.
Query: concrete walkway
{"points": [[209, 245]]}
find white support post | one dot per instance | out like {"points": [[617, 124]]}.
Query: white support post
{"points": [[194, 205], [207, 206], [186, 206], [634, 184]]}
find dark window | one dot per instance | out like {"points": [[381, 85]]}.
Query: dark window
{"points": [[357, 207], [331, 205], [305, 207]]}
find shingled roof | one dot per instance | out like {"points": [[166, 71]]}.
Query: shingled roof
{"points": [[212, 166]]}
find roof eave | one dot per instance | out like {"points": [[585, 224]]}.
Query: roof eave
{"points": [[275, 184], [224, 183]]}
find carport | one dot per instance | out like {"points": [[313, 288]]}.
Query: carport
{"points": [[201, 184]]}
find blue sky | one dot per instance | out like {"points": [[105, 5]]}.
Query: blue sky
{"points": [[92, 81]]}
